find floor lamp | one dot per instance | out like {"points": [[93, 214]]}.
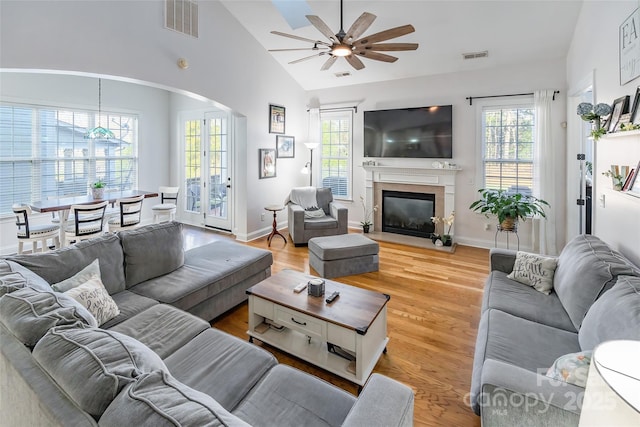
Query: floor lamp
{"points": [[308, 167]]}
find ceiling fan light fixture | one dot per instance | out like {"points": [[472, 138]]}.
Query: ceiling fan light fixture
{"points": [[341, 50]]}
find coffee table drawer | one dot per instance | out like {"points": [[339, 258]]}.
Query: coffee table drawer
{"points": [[263, 307], [295, 320], [341, 337]]}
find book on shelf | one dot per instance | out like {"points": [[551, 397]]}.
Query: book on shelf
{"points": [[629, 181]]}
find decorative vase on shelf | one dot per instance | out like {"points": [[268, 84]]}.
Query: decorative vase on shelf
{"points": [[97, 193], [365, 228], [447, 240]]}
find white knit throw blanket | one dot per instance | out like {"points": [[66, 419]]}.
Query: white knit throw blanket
{"points": [[304, 196]]}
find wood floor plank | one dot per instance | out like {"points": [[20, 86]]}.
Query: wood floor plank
{"points": [[433, 318]]}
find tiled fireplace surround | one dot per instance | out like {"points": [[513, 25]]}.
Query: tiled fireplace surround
{"points": [[438, 181]]}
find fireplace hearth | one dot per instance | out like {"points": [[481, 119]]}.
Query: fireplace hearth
{"points": [[408, 213]]}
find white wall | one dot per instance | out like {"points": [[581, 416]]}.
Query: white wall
{"points": [[127, 39], [453, 89], [594, 49]]}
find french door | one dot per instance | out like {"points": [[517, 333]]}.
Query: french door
{"points": [[208, 171]]}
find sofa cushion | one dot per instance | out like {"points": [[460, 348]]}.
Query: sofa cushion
{"points": [[615, 316], [342, 246], [212, 358], [324, 197], [129, 305], [523, 301], [572, 368], [93, 365], [152, 251], [162, 328], [534, 270], [95, 298], [33, 280], [29, 313], [11, 282], [208, 270], [286, 396], [157, 399], [586, 268], [520, 342], [55, 266], [323, 223], [82, 276]]}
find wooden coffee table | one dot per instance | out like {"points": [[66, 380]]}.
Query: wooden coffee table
{"points": [[309, 328]]}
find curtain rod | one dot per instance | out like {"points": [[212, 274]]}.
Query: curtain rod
{"points": [[471, 98], [355, 108]]}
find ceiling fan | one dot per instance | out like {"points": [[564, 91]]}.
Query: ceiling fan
{"points": [[349, 45]]}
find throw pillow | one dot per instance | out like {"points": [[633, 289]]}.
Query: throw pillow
{"points": [[12, 282], [158, 399], [93, 365], [29, 313], [313, 213], [79, 278], [534, 270], [94, 297], [571, 368]]}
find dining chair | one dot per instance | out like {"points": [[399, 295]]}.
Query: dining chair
{"points": [[89, 222], [34, 233], [129, 215], [168, 204]]}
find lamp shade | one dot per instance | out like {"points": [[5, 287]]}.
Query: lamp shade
{"points": [[311, 145]]}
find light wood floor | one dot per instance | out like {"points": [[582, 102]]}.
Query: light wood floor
{"points": [[433, 318]]}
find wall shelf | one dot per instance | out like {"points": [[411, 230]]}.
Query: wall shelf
{"points": [[621, 134]]}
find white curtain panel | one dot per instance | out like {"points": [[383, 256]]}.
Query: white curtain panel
{"points": [[545, 165]]}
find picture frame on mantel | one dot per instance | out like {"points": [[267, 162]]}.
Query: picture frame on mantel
{"points": [[276, 119], [620, 107], [629, 48]]}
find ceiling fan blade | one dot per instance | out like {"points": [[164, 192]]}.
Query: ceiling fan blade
{"points": [[288, 50], [292, 36], [384, 35], [306, 57], [329, 62], [360, 26], [355, 62], [377, 56], [321, 26], [388, 47]]}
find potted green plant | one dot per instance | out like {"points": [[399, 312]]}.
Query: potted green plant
{"points": [[508, 206], [97, 189]]}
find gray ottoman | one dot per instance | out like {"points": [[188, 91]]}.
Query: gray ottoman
{"points": [[343, 255]]}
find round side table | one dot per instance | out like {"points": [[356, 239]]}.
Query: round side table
{"points": [[274, 232]]}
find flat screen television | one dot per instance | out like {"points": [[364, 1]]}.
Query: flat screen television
{"points": [[423, 132]]}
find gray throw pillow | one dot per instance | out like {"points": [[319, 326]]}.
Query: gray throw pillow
{"points": [[534, 270], [29, 313], [33, 280], [93, 269], [11, 282], [157, 399], [587, 267], [93, 365], [152, 251], [615, 316]]}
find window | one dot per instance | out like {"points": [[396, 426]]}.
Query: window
{"points": [[43, 153], [335, 154], [507, 140]]}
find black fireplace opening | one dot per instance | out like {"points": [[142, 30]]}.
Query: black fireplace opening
{"points": [[408, 213]]}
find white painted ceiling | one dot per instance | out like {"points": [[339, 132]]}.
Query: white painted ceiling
{"points": [[513, 31]]}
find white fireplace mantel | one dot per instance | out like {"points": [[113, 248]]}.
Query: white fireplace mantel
{"points": [[428, 176]]}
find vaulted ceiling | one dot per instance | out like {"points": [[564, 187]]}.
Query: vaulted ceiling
{"points": [[512, 31]]}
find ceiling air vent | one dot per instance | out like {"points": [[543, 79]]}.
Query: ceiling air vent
{"points": [[475, 55], [182, 16], [343, 74]]}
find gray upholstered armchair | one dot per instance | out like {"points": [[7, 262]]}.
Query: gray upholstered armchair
{"points": [[302, 227]]}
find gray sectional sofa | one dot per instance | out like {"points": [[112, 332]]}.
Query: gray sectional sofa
{"points": [[595, 298], [155, 363]]}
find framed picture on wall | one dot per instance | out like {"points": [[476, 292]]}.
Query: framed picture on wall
{"points": [[620, 107], [267, 167], [276, 119], [629, 52], [285, 146], [635, 110]]}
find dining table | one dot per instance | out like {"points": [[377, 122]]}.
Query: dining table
{"points": [[63, 204]]}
